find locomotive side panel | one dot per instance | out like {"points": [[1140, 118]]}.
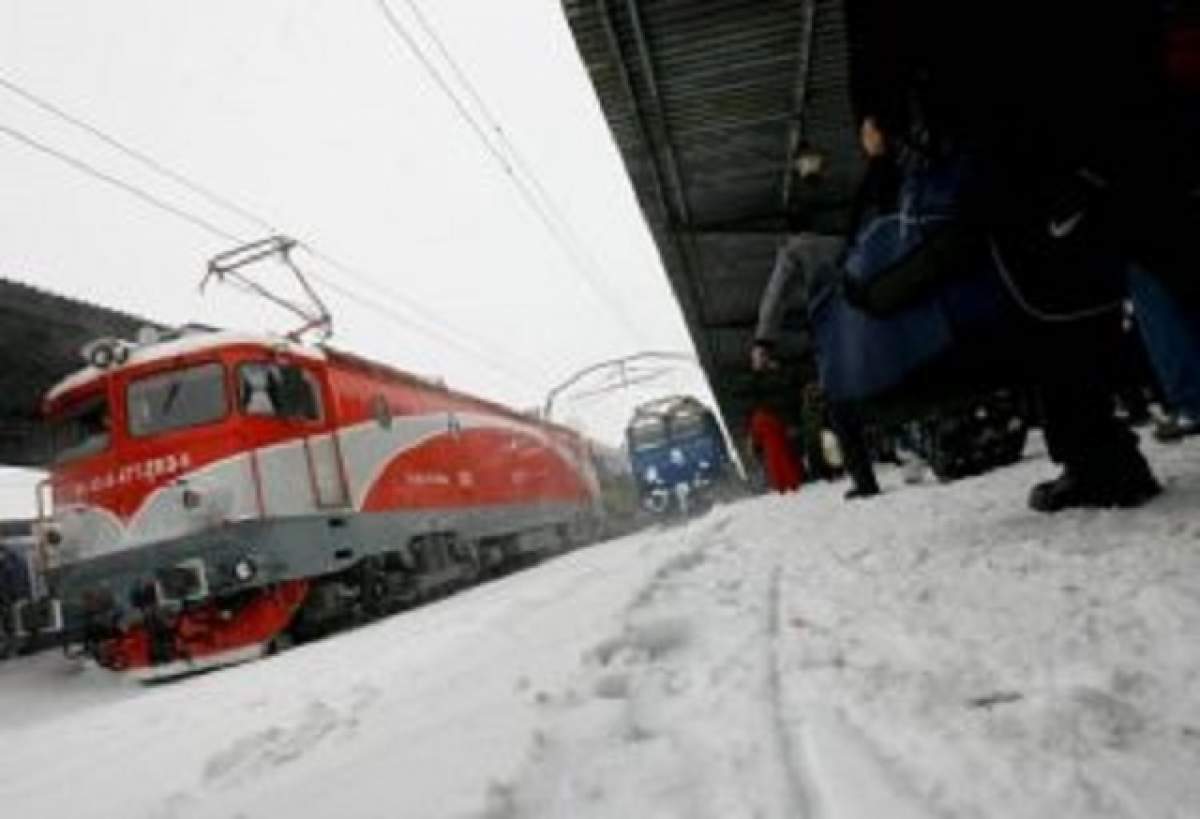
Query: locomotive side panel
{"points": [[410, 445]]}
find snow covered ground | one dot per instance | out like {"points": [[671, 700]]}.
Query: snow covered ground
{"points": [[935, 652]]}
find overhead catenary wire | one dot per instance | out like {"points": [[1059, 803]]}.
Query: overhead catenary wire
{"points": [[219, 232], [141, 157], [424, 323], [538, 197], [518, 159], [526, 183], [132, 190]]}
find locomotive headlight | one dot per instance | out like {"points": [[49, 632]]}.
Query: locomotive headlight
{"points": [[51, 546], [101, 356], [677, 457], [652, 474], [244, 570]]}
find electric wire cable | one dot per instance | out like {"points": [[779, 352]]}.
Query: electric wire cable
{"points": [[518, 160], [214, 230], [133, 190], [145, 159], [445, 331], [540, 199], [524, 189], [568, 239], [438, 327]]}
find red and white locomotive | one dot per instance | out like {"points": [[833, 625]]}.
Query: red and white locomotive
{"points": [[214, 492]]}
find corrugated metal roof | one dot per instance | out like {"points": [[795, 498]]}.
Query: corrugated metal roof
{"points": [[40, 338], [705, 100]]}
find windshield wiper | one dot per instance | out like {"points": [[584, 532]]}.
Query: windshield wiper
{"points": [[172, 393]]}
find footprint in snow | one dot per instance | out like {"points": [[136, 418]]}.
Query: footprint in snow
{"points": [[660, 636], [647, 639], [261, 752]]}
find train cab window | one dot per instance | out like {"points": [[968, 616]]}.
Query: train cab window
{"points": [[279, 391], [687, 425], [647, 435], [83, 430], [174, 400]]}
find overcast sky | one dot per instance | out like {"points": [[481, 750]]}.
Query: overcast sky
{"points": [[314, 116]]}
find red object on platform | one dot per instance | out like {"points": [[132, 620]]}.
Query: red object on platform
{"points": [[769, 435]]}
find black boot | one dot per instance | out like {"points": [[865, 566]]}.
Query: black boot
{"points": [[1124, 488], [858, 492], [857, 457], [862, 484]]}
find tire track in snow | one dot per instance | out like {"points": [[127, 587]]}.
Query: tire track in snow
{"points": [[799, 792]]}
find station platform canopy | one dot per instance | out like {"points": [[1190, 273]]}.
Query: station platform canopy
{"points": [[710, 104], [41, 335]]}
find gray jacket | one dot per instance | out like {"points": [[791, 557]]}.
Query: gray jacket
{"points": [[802, 261]]}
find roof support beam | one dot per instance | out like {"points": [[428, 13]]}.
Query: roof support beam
{"points": [[683, 218], [647, 61], [614, 42], [803, 72], [686, 283]]}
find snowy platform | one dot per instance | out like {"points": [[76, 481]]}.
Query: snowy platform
{"points": [[935, 652]]}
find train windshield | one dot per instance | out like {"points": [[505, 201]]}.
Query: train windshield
{"points": [[687, 425], [83, 429], [647, 434], [177, 399], [278, 390]]}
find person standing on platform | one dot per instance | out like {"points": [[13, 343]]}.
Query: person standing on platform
{"points": [[771, 445]]}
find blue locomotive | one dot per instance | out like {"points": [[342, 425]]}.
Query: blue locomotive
{"points": [[678, 454], [19, 585]]}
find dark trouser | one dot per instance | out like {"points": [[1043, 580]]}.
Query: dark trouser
{"points": [[1082, 433], [1171, 330], [818, 257], [847, 425], [1134, 380]]}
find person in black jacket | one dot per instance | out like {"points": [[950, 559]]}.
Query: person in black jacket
{"points": [[1100, 459]]}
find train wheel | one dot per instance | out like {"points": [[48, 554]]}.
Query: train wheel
{"points": [[472, 561], [280, 643], [204, 637], [374, 589]]}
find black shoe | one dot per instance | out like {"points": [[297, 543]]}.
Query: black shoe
{"points": [[859, 492], [1069, 491]]}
